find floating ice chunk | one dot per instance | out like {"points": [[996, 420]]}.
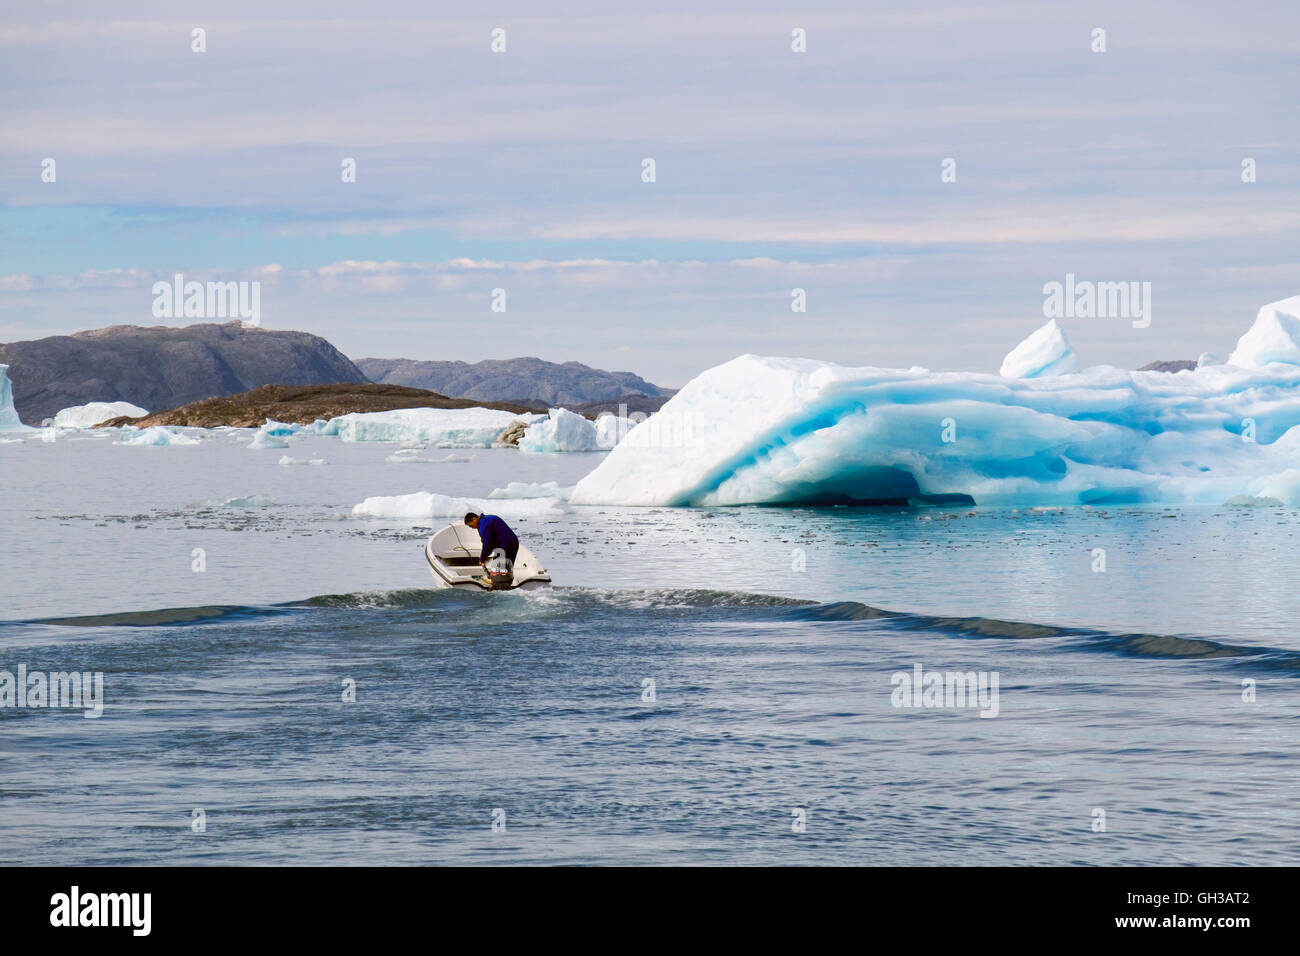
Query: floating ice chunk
{"points": [[92, 413], [267, 440], [611, 429], [288, 429], [561, 431], [425, 506], [1207, 359], [286, 460], [525, 489], [279, 429], [443, 427], [319, 427], [154, 435], [410, 455], [1250, 501], [9, 420], [244, 501], [1275, 336], [775, 430], [1045, 352]]}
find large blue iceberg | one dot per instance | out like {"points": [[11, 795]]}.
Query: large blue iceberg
{"points": [[778, 430]]}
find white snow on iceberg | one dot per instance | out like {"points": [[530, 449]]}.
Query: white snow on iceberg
{"points": [[441, 427], [426, 506], [779, 430], [1046, 352], [8, 415], [92, 413], [1275, 336]]}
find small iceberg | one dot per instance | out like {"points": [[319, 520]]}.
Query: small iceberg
{"points": [[1046, 352], [154, 435], [288, 429], [611, 429], [566, 431], [279, 429], [244, 501], [265, 439], [561, 431], [92, 413]]}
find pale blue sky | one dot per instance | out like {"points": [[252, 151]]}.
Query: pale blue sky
{"points": [[774, 170]]}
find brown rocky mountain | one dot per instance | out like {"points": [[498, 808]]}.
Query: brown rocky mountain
{"points": [[303, 404]]}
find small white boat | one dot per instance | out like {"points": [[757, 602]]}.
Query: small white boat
{"points": [[453, 553]]}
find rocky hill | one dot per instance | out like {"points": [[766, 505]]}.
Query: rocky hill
{"points": [[163, 367], [512, 380], [302, 405]]}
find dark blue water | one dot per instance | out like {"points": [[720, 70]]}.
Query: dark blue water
{"points": [[773, 637], [534, 704]]}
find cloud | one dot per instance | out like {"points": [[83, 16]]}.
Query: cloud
{"points": [[775, 170]]}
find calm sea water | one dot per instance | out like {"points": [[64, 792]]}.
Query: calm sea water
{"points": [[772, 637]]}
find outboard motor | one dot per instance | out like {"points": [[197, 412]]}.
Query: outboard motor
{"points": [[500, 571]]}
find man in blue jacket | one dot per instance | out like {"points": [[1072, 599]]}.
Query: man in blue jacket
{"points": [[494, 533]]}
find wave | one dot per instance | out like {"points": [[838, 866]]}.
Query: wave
{"points": [[672, 601], [1080, 638], [162, 617]]}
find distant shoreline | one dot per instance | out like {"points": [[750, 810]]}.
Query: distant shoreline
{"points": [[304, 404]]}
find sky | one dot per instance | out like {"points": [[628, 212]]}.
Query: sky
{"points": [[774, 170]]}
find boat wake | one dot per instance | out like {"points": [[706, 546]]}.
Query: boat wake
{"points": [[668, 605]]}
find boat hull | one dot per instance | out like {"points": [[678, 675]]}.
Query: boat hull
{"points": [[452, 556]]}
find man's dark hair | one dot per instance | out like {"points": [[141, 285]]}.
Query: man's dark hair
{"points": [[470, 517]]}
